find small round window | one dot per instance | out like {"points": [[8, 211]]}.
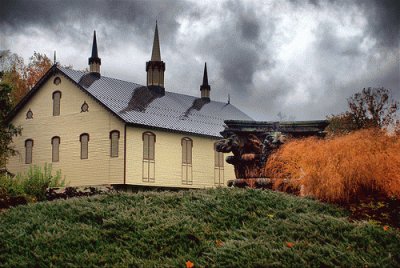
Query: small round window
{"points": [[29, 114], [57, 81], [84, 107]]}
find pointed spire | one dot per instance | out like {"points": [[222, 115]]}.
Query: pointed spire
{"points": [[94, 47], [205, 76], [94, 60], [205, 87], [155, 68], [156, 54]]}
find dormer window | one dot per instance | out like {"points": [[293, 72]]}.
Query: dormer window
{"points": [[56, 103], [29, 114], [84, 107]]}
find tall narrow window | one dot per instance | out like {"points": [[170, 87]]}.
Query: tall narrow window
{"points": [[218, 167], [28, 151], [56, 103], [55, 144], [84, 139], [187, 145], [149, 140], [114, 138]]}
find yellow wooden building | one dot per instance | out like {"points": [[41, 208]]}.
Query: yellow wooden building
{"points": [[100, 130]]}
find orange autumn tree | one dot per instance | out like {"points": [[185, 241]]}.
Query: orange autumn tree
{"points": [[38, 65], [371, 107], [17, 82], [21, 78]]}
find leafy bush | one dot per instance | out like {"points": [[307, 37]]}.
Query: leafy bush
{"points": [[31, 186], [36, 181], [10, 186], [340, 169]]}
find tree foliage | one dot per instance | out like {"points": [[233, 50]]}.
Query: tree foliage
{"points": [[9, 61], [38, 65], [7, 130], [20, 77], [16, 81], [370, 108]]}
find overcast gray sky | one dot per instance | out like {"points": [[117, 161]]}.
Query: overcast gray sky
{"points": [[300, 58]]}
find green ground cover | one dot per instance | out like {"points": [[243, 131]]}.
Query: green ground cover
{"points": [[213, 228]]}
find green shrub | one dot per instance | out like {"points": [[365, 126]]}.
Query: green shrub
{"points": [[31, 185], [35, 182], [11, 192], [10, 186]]}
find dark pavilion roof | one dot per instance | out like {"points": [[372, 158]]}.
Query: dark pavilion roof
{"points": [[150, 106]]}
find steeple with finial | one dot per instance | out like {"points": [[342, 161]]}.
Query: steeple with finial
{"points": [[155, 68], [94, 60], [205, 87]]}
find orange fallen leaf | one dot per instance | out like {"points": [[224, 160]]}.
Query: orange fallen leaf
{"points": [[385, 228], [289, 244], [189, 264], [219, 243]]}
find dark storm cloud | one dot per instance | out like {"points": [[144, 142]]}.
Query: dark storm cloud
{"points": [[249, 27], [63, 17], [236, 45], [243, 45], [382, 17], [383, 21]]}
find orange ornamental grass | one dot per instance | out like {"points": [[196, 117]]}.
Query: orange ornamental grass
{"points": [[341, 168]]}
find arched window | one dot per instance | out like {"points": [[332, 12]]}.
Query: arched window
{"points": [[84, 139], [149, 140], [114, 143], [218, 167], [55, 144], [187, 145], [56, 103], [28, 151]]}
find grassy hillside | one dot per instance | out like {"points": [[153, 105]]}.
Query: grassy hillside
{"points": [[215, 228]]}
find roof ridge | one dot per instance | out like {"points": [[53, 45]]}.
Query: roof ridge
{"points": [[172, 92], [103, 76]]}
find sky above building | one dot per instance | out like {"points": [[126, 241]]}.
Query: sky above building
{"points": [[293, 59]]}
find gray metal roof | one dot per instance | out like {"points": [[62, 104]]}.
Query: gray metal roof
{"points": [[141, 105]]}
